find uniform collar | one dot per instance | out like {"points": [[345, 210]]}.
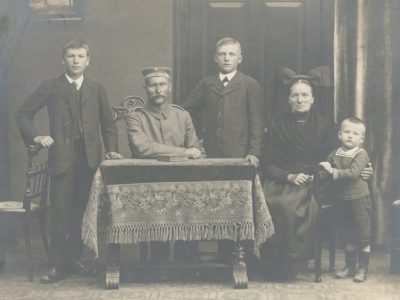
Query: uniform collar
{"points": [[159, 114], [78, 81]]}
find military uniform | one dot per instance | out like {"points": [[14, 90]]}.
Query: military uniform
{"points": [[151, 132], [154, 130]]}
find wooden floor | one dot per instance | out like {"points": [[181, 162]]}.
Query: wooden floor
{"points": [[14, 284]]}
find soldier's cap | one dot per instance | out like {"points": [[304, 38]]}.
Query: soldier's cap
{"points": [[157, 72]]}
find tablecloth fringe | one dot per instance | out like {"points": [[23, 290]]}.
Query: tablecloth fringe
{"points": [[263, 232], [174, 232]]}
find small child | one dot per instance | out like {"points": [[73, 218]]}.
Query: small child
{"points": [[345, 165]]}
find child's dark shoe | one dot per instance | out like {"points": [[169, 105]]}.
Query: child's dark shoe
{"points": [[350, 268], [363, 262]]}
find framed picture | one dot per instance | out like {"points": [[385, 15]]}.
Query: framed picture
{"points": [[56, 9]]}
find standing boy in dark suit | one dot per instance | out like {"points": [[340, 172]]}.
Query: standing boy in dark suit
{"points": [[78, 112], [234, 114]]}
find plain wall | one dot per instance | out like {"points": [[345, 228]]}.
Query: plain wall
{"points": [[124, 36]]}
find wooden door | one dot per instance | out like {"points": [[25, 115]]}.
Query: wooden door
{"points": [[297, 34]]}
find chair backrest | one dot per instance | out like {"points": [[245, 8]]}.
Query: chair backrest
{"points": [[37, 180], [128, 106]]}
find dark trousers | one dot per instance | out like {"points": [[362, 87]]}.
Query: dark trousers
{"points": [[7, 237], [69, 193]]}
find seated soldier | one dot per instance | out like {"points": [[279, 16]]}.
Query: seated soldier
{"points": [[160, 128]]}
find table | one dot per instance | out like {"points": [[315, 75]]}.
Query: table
{"points": [[144, 200]]}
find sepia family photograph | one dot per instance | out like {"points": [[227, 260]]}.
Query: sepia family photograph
{"points": [[199, 149]]}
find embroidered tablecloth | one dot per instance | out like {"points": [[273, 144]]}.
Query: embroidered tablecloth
{"points": [[143, 200]]}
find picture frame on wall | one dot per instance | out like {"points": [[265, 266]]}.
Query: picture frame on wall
{"points": [[61, 10]]}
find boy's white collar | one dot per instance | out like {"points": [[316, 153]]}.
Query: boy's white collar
{"points": [[78, 81], [229, 75], [351, 152]]}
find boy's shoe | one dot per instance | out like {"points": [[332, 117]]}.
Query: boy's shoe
{"points": [[363, 262], [82, 268], [350, 268], [53, 275]]}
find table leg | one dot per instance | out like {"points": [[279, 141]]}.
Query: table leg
{"points": [[112, 267], [239, 267]]}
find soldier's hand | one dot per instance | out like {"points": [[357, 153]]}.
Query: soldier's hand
{"points": [[396, 203], [254, 160], [114, 155], [193, 153], [44, 141]]}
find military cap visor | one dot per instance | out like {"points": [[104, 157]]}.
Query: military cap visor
{"points": [[157, 72]]}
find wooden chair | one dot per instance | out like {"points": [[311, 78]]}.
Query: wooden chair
{"points": [[33, 204], [128, 106], [326, 220]]}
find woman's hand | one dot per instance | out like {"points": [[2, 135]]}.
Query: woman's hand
{"points": [[44, 141], [367, 172], [299, 178], [327, 166]]}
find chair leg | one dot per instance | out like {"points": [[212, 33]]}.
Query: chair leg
{"points": [[28, 246], [332, 250], [317, 258], [42, 228]]}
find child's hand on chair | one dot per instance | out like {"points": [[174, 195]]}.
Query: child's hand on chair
{"points": [[396, 203]]}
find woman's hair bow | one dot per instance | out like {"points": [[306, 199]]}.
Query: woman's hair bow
{"points": [[318, 76]]}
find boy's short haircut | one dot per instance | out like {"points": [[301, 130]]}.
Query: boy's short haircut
{"points": [[354, 120], [75, 44], [227, 41]]}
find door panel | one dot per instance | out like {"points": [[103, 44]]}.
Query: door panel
{"points": [[297, 34], [222, 19], [283, 47]]}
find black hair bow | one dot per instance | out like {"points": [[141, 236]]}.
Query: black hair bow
{"points": [[318, 76]]}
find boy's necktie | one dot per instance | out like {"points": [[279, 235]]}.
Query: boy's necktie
{"points": [[225, 81], [74, 85]]}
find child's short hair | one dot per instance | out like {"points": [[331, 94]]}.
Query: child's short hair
{"points": [[75, 44], [354, 120], [227, 41]]}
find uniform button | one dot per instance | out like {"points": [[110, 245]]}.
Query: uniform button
{"points": [[219, 113]]}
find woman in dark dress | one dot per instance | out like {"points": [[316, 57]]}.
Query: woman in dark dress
{"points": [[294, 145]]}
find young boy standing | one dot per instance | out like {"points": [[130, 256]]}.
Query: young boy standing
{"points": [[234, 114], [233, 106], [345, 165]]}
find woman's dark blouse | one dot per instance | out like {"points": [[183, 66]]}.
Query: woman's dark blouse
{"points": [[296, 143]]}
